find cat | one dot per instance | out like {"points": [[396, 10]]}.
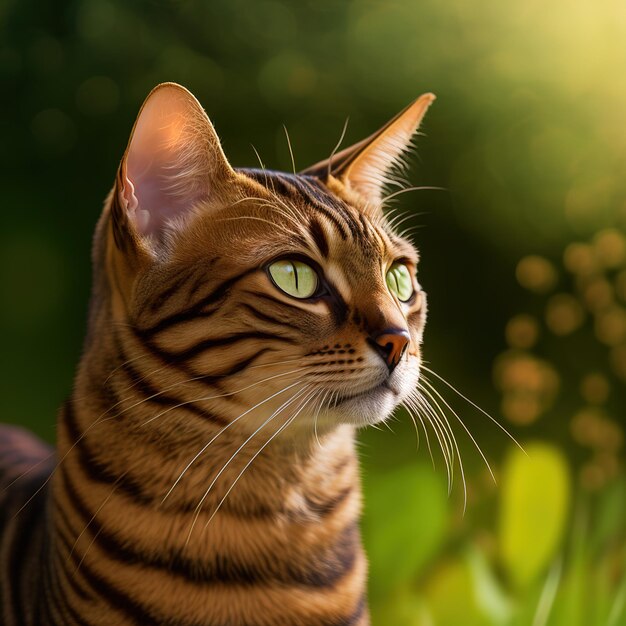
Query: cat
{"points": [[243, 324]]}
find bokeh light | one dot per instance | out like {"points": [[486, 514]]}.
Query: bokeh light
{"points": [[597, 293], [522, 331], [579, 259], [610, 326], [610, 248], [536, 274], [529, 386], [564, 314], [595, 388]]}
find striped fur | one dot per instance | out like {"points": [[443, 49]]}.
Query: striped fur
{"points": [[205, 470]]}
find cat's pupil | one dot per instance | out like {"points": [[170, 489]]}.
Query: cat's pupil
{"points": [[295, 278]]}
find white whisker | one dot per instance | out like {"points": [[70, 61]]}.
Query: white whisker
{"points": [[293, 161], [413, 411], [442, 425], [438, 426], [454, 442], [493, 419], [482, 454], [258, 156], [193, 460], [407, 189], [295, 396], [256, 454], [114, 488], [334, 150], [319, 407], [222, 395]]}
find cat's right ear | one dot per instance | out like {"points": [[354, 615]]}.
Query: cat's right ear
{"points": [[173, 162]]}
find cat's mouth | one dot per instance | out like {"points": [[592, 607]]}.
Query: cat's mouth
{"points": [[374, 404], [382, 387], [367, 406]]}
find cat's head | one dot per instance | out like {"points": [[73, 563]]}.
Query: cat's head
{"points": [[256, 287]]}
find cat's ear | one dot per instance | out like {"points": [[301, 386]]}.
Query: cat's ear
{"points": [[366, 167], [173, 161]]}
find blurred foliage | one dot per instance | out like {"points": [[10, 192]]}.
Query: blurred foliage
{"points": [[524, 256], [534, 506]]}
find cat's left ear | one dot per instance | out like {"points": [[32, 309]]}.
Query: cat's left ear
{"points": [[173, 161], [365, 168]]}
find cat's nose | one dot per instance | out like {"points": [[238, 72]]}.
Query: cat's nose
{"points": [[391, 344]]}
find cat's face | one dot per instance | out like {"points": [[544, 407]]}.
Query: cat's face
{"points": [[287, 296]]}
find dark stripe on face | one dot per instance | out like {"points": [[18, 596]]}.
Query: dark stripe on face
{"points": [[231, 340], [217, 295], [327, 205], [319, 192], [151, 394], [181, 280], [338, 306], [237, 368], [264, 317], [271, 180], [319, 237], [371, 235], [276, 301], [383, 239], [305, 188]]}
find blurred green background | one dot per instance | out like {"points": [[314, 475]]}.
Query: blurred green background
{"points": [[523, 254]]}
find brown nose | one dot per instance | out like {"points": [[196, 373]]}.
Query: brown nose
{"points": [[391, 345]]}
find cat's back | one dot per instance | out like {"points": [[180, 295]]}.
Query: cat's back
{"points": [[21, 454], [25, 465]]}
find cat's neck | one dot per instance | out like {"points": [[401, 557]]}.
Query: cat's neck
{"points": [[126, 500]]}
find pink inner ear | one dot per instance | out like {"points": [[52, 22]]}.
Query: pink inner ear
{"points": [[131, 204], [149, 200], [166, 168]]}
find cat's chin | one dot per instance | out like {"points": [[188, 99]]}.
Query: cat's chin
{"points": [[369, 408], [365, 408], [376, 404]]}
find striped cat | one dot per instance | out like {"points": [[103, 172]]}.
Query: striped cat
{"points": [[243, 324]]}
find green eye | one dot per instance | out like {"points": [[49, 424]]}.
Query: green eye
{"points": [[399, 281], [294, 278]]}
